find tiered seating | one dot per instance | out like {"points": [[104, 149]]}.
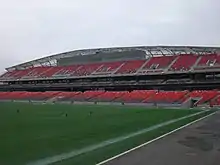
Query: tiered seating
{"points": [[158, 63], [7, 75], [16, 74], [64, 71], [154, 64], [135, 96], [108, 68], [184, 63], [12, 74], [2, 95], [36, 72], [86, 96], [130, 67], [27, 95], [208, 62], [216, 101], [66, 96], [33, 96], [51, 71], [85, 70], [167, 97], [204, 96], [148, 96], [45, 95], [12, 95], [108, 96]]}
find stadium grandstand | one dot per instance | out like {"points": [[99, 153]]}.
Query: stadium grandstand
{"points": [[149, 75]]}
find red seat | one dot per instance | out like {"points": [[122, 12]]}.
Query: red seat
{"points": [[12, 95], [51, 71], [86, 69], [16, 74], [108, 96], [216, 101], [158, 63], [167, 97], [135, 96], [204, 96], [208, 62], [130, 67], [184, 62], [65, 96], [108, 68], [65, 71], [37, 72], [86, 96]]}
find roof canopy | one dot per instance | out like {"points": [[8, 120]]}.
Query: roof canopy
{"points": [[150, 50]]}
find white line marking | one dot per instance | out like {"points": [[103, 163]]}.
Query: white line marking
{"points": [[71, 154], [153, 140]]}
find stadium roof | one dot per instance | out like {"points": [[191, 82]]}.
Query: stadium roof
{"points": [[150, 50]]}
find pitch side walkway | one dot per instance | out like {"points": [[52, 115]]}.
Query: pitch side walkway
{"points": [[198, 144]]}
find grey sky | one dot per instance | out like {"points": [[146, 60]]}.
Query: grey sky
{"points": [[36, 28]]}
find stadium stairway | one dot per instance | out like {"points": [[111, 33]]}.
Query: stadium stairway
{"points": [[171, 64], [197, 62]]}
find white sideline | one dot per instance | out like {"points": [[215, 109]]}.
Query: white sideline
{"points": [[153, 140], [68, 155]]}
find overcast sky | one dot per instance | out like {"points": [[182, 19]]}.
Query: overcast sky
{"points": [[31, 29]]}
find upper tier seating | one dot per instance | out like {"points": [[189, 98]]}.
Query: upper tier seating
{"points": [[158, 63], [154, 64], [108, 68], [16, 74], [65, 71], [86, 69], [130, 67], [184, 63], [51, 71], [208, 62], [7, 75], [38, 72]]}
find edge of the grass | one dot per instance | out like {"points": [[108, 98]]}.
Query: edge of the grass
{"points": [[102, 154], [155, 139]]}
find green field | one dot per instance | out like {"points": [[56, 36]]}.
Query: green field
{"points": [[32, 132]]}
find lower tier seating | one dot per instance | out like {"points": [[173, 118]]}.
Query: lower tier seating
{"points": [[138, 96], [204, 96], [167, 97]]}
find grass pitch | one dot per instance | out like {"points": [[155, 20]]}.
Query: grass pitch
{"points": [[32, 132]]}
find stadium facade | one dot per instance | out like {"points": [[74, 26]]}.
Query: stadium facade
{"points": [[126, 69]]}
